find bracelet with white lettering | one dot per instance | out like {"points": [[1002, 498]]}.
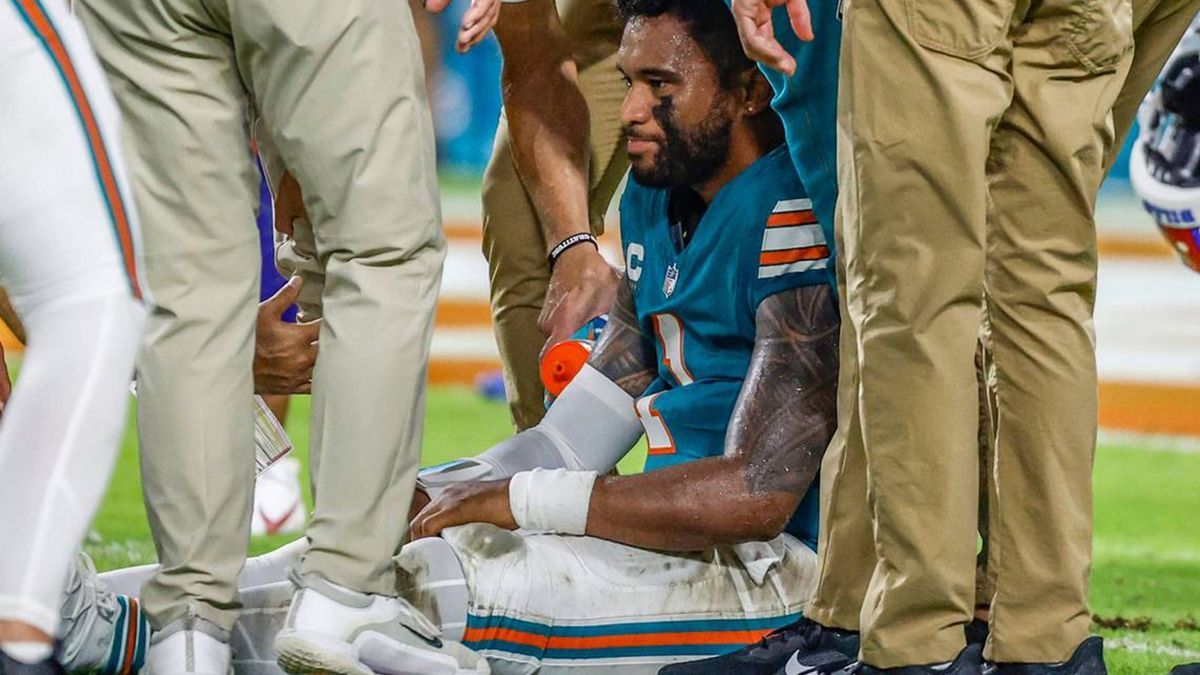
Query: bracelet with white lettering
{"points": [[570, 242]]}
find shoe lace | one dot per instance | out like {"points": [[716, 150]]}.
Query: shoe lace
{"points": [[86, 600]]}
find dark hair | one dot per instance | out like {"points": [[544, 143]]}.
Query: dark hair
{"points": [[709, 23]]}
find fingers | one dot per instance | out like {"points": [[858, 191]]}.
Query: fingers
{"points": [[801, 19], [753, 18], [436, 6], [762, 46], [309, 331], [477, 22], [285, 297]]}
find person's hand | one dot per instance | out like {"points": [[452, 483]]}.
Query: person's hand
{"points": [[753, 18], [419, 501], [5, 382], [478, 20], [464, 503], [289, 204], [582, 287], [284, 353]]}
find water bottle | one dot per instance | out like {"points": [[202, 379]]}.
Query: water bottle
{"points": [[564, 360]]}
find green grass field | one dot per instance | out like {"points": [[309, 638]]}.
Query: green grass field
{"points": [[1146, 578]]}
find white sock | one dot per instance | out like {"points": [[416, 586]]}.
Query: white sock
{"points": [[28, 653]]}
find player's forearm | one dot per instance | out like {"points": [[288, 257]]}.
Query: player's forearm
{"points": [[547, 117], [689, 507]]}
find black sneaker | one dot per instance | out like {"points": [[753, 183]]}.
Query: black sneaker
{"points": [[1088, 659], [828, 662], [968, 662], [768, 655], [1186, 669], [11, 666], [977, 632]]}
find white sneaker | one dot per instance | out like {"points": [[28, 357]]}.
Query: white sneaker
{"points": [[189, 646], [278, 504], [99, 631], [331, 629]]}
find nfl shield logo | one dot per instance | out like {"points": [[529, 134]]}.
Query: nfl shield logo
{"points": [[669, 281]]}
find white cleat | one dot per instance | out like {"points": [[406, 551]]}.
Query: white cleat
{"points": [[189, 646], [331, 629], [99, 631], [278, 504]]}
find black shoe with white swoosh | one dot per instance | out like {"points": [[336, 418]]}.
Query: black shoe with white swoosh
{"points": [[770, 654]]}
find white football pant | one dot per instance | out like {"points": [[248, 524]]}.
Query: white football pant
{"points": [[69, 261]]}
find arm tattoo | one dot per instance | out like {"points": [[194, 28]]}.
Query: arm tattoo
{"points": [[787, 410], [624, 354]]}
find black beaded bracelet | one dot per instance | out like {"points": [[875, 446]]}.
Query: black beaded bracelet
{"points": [[569, 242]]}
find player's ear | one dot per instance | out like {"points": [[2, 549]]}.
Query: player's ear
{"points": [[756, 92]]}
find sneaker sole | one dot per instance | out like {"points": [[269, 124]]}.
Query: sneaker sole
{"points": [[307, 653], [301, 653]]}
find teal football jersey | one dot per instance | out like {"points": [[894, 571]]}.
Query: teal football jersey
{"points": [[757, 238]]}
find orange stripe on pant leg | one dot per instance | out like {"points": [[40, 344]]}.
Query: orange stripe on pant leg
{"points": [[108, 182], [729, 637]]}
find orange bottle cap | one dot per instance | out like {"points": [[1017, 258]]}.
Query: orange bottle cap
{"points": [[562, 363]]}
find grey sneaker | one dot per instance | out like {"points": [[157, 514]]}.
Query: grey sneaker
{"points": [[331, 629], [99, 631]]}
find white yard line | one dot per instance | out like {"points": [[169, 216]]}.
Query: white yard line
{"points": [[1187, 445], [1131, 645]]}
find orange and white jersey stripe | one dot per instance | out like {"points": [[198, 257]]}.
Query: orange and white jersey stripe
{"points": [[792, 240]]}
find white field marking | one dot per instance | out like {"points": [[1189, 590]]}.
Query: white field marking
{"points": [[1108, 549], [463, 344], [1148, 322], [127, 552], [1186, 445], [1132, 645]]}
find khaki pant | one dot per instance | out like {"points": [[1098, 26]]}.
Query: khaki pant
{"points": [[340, 87], [513, 239], [955, 179], [847, 561], [1158, 25]]}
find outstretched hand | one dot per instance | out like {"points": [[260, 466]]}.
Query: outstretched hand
{"points": [[757, 30], [582, 287], [284, 353], [478, 20], [464, 503]]}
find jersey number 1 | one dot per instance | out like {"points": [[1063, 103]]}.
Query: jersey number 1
{"points": [[669, 332]]}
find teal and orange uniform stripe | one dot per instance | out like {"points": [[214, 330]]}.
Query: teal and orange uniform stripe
{"points": [[127, 653], [35, 16], [694, 637]]}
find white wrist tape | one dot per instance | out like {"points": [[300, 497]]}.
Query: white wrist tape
{"points": [[553, 500]]}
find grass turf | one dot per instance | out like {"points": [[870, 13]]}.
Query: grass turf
{"points": [[1146, 576]]}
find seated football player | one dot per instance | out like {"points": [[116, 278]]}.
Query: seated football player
{"points": [[721, 349]]}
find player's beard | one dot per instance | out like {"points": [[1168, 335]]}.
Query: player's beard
{"points": [[687, 156]]}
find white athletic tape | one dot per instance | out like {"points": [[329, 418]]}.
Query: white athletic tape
{"points": [[554, 500], [591, 426]]}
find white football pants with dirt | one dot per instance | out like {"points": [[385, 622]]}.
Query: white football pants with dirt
{"points": [[69, 261], [559, 604]]}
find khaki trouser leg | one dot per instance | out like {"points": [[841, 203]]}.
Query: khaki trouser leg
{"points": [[1045, 170], [350, 119], [923, 87], [513, 239], [196, 190], [845, 550], [1158, 25]]}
